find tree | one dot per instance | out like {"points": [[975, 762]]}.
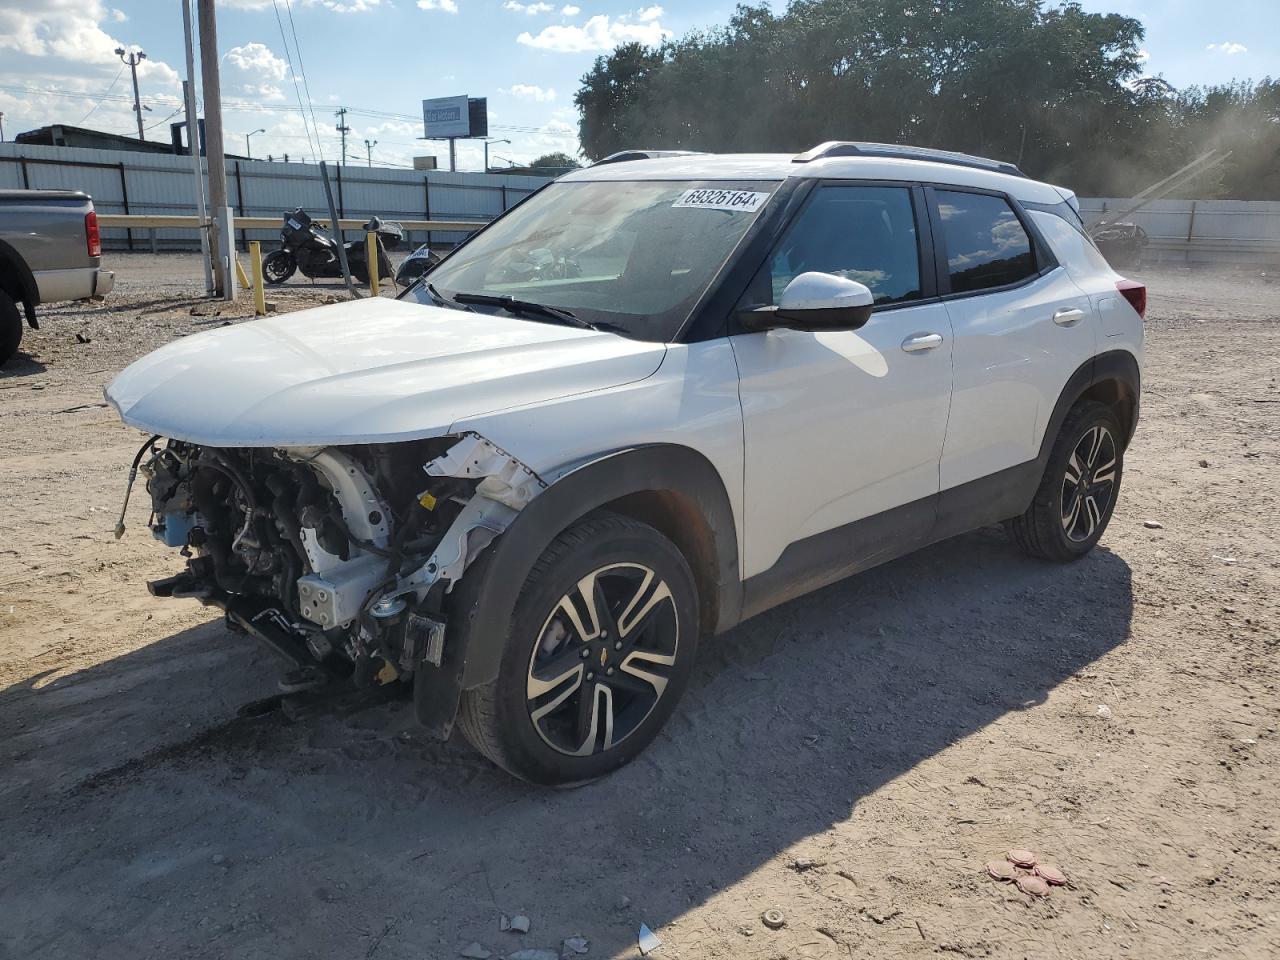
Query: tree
{"points": [[1054, 88], [557, 159]]}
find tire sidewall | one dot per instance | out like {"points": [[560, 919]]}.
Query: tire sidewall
{"points": [[1089, 416], [276, 255], [633, 542]]}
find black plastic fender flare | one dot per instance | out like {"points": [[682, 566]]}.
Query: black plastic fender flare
{"points": [[11, 259], [481, 604]]}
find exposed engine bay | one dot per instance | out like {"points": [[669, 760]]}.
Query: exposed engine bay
{"points": [[338, 557]]}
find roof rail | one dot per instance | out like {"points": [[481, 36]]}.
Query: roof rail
{"points": [[857, 148], [624, 155]]}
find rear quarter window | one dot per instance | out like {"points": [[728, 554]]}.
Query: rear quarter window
{"points": [[985, 242]]}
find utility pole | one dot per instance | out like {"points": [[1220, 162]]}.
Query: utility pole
{"points": [[368, 151], [1, 126], [132, 61], [342, 128], [248, 151], [193, 142], [215, 154]]}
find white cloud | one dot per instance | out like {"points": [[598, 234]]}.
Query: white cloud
{"points": [[448, 6], [1143, 56], [599, 33], [649, 13], [532, 9], [337, 6], [254, 71], [570, 10], [119, 16], [529, 91], [1228, 47]]}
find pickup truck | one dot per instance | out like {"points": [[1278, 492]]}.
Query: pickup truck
{"points": [[50, 251]]}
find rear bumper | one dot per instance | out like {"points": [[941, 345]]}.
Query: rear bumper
{"points": [[104, 282]]}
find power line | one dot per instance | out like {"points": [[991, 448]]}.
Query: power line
{"points": [[306, 82], [119, 74], [293, 73]]}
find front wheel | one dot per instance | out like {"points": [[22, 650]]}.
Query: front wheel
{"points": [[278, 266], [1078, 491], [599, 650], [10, 328]]}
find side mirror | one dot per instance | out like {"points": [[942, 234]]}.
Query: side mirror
{"points": [[818, 301]]}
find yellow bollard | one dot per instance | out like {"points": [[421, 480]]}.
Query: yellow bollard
{"points": [[243, 277], [255, 261], [371, 259]]}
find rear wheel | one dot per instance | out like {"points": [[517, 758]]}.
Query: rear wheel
{"points": [[10, 328], [1078, 491], [599, 651], [278, 266]]}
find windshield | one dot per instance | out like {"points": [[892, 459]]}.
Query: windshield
{"points": [[633, 257]]}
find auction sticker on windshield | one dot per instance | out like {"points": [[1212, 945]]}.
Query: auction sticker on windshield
{"points": [[747, 201]]}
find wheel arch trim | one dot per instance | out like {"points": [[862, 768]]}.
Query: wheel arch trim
{"points": [[27, 287], [483, 601]]}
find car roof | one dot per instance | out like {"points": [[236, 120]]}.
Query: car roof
{"points": [[783, 166]]}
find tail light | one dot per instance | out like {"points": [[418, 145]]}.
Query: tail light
{"points": [[92, 237], [1135, 293]]}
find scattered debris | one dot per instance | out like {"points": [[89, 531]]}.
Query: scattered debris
{"points": [[624, 903], [1050, 874], [209, 308], [1021, 858], [1229, 561], [802, 864], [519, 924], [572, 945], [646, 940], [474, 951], [773, 919], [217, 859], [81, 338], [1104, 712], [1153, 524], [1228, 609], [1036, 886], [1204, 463], [504, 923]]}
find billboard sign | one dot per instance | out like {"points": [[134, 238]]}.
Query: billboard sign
{"points": [[446, 117]]}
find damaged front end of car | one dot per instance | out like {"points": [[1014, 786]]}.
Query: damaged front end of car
{"points": [[339, 558]]}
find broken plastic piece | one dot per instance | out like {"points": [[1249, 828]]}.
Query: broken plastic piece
{"points": [[647, 941], [520, 924]]}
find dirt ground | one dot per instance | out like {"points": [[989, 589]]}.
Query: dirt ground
{"points": [[851, 759]]}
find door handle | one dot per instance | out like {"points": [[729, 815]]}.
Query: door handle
{"points": [[921, 341], [1067, 316]]}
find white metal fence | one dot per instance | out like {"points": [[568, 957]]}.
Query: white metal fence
{"points": [[1183, 231], [142, 183], [1201, 231]]}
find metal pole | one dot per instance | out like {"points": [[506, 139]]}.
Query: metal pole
{"points": [[337, 232], [453, 156], [212, 85], [193, 143]]}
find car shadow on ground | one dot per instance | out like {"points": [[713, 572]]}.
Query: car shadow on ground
{"points": [[21, 365], [135, 817]]}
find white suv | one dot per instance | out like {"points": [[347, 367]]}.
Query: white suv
{"points": [[661, 395]]}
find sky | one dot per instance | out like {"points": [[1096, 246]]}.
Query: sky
{"points": [[381, 58]]}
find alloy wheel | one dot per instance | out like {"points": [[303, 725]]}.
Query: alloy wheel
{"points": [[603, 659], [1089, 483]]}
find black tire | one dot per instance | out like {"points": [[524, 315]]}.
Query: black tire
{"points": [[10, 328], [1077, 494], [527, 721], [278, 266]]}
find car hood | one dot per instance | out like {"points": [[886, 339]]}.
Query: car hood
{"points": [[368, 371]]}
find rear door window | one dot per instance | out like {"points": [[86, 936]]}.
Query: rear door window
{"points": [[986, 244]]}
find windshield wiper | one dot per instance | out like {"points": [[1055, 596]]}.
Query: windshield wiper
{"points": [[441, 299], [523, 307]]}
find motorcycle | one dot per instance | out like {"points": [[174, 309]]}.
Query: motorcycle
{"points": [[416, 264], [304, 246]]}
